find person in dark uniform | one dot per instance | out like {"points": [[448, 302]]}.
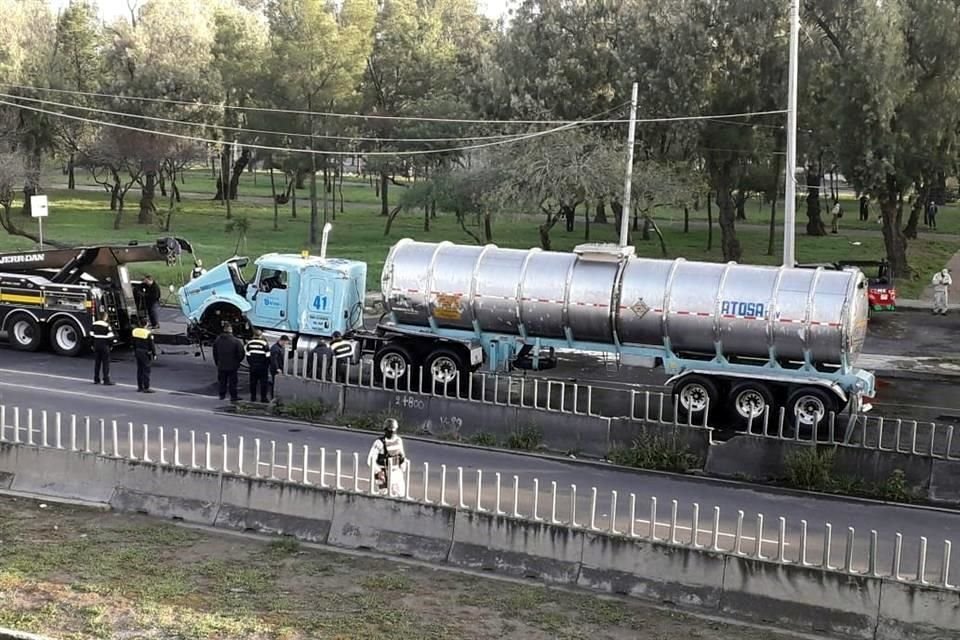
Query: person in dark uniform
{"points": [[145, 352], [258, 359], [103, 336], [277, 352], [150, 292], [228, 354]]}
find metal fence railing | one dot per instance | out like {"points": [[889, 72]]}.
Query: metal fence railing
{"points": [[763, 536]]}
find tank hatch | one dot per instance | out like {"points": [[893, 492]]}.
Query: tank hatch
{"points": [[603, 252]]}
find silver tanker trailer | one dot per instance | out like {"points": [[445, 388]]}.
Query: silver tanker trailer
{"points": [[734, 337]]}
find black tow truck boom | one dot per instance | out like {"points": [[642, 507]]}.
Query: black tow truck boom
{"points": [[53, 296]]}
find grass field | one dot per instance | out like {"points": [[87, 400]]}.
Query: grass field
{"points": [[83, 217], [79, 574]]}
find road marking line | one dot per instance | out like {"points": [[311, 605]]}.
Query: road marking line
{"points": [[75, 379], [107, 398]]}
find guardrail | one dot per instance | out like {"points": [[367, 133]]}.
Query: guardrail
{"points": [[577, 508], [653, 405]]}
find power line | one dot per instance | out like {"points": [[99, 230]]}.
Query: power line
{"points": [[261, 147], [330, 114], [246, 130]]}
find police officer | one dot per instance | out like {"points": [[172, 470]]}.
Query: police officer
{"points": [[258, 359], [277, 352], [103, 336], [145, 352], [389, 461]]}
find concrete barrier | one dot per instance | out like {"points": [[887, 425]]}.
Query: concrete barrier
{"points": [[624, 431], [806, 599], [878, 467], [299, 389], [63, 474], [270, 506], [167, 492], [915, 612], [451, 417], [567, 432], [945, 481], [516, 547], [681, 576], [392, 526], [753, 457]]}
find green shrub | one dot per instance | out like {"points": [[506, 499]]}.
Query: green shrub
{"points": [[656, 452], [309, 410], [811, 469], [525, 438], [483, 439]]}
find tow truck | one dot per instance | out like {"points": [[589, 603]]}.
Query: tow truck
{"points": [[52, 297]]}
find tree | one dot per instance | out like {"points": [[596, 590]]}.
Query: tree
{"points": [[317, 56], [75, 67]]}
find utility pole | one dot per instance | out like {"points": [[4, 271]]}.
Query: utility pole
{"points": [[628, 181], [790, 192]]}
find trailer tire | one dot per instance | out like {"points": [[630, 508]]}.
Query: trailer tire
{"points": [[749, 401], [393, 366], [695, 395], [809, 407], [445, 370], [24, 332], [66, 338]]}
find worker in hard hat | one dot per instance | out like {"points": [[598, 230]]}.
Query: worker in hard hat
{"points": [[941, 287], [389, 462], [198, 269]]}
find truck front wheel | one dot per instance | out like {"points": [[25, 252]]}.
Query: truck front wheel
{"points": [[394, 365]]}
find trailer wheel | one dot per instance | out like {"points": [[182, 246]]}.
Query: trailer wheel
{"points": [[695, 396], [809, 407], [749, 401], [393, 365], [25, 333], [445, 370], [66, 339]]}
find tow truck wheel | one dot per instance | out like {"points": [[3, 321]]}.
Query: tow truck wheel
{"points": [[695, 397], [393, 366], [25, 333], [749, 402], [66, 338], [444, 368]]}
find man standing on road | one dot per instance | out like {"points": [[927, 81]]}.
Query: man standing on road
{"points": [[103, 336], [258, 360], [277, 355], [228, 354], [941, 287], [389, 461], [321, 361], [145, 352], [150, 294], [864, 208]]}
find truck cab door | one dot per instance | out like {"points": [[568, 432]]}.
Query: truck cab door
{"points": [[270, 298]]}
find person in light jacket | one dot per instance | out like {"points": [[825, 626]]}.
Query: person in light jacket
{"points": [[941, 289], [389, 462]]}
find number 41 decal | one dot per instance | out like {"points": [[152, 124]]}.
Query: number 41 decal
{"points": [[320, 303]]}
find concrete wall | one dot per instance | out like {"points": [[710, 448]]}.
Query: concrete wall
{"points": [[806, 599]]}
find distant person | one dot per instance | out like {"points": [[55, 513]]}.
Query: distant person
{"points": [[150, 294], [864, 208], [389, 461], [103, 337], [228, 354], [278, 360], [321, 361], [932, 211], [258, 361], [198, 269], [835, 214], [145, 352], [941, 290]]}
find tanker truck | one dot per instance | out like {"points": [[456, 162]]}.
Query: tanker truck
{"points": [[734, 338]]}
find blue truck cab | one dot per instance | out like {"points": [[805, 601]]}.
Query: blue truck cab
{"points": [[302, 295]]}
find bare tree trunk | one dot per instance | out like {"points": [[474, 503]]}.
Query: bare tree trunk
{"points": [[773, 204], [340, 184], [384, 200], [488, 226], [919, 206], [709, 222], [893, 239], [314, 210], [391, 216], [601, 215], [147, 205], [276, 205], [686, 219], [71, 172], [586, 221], [815, 226], [732, 251]]}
